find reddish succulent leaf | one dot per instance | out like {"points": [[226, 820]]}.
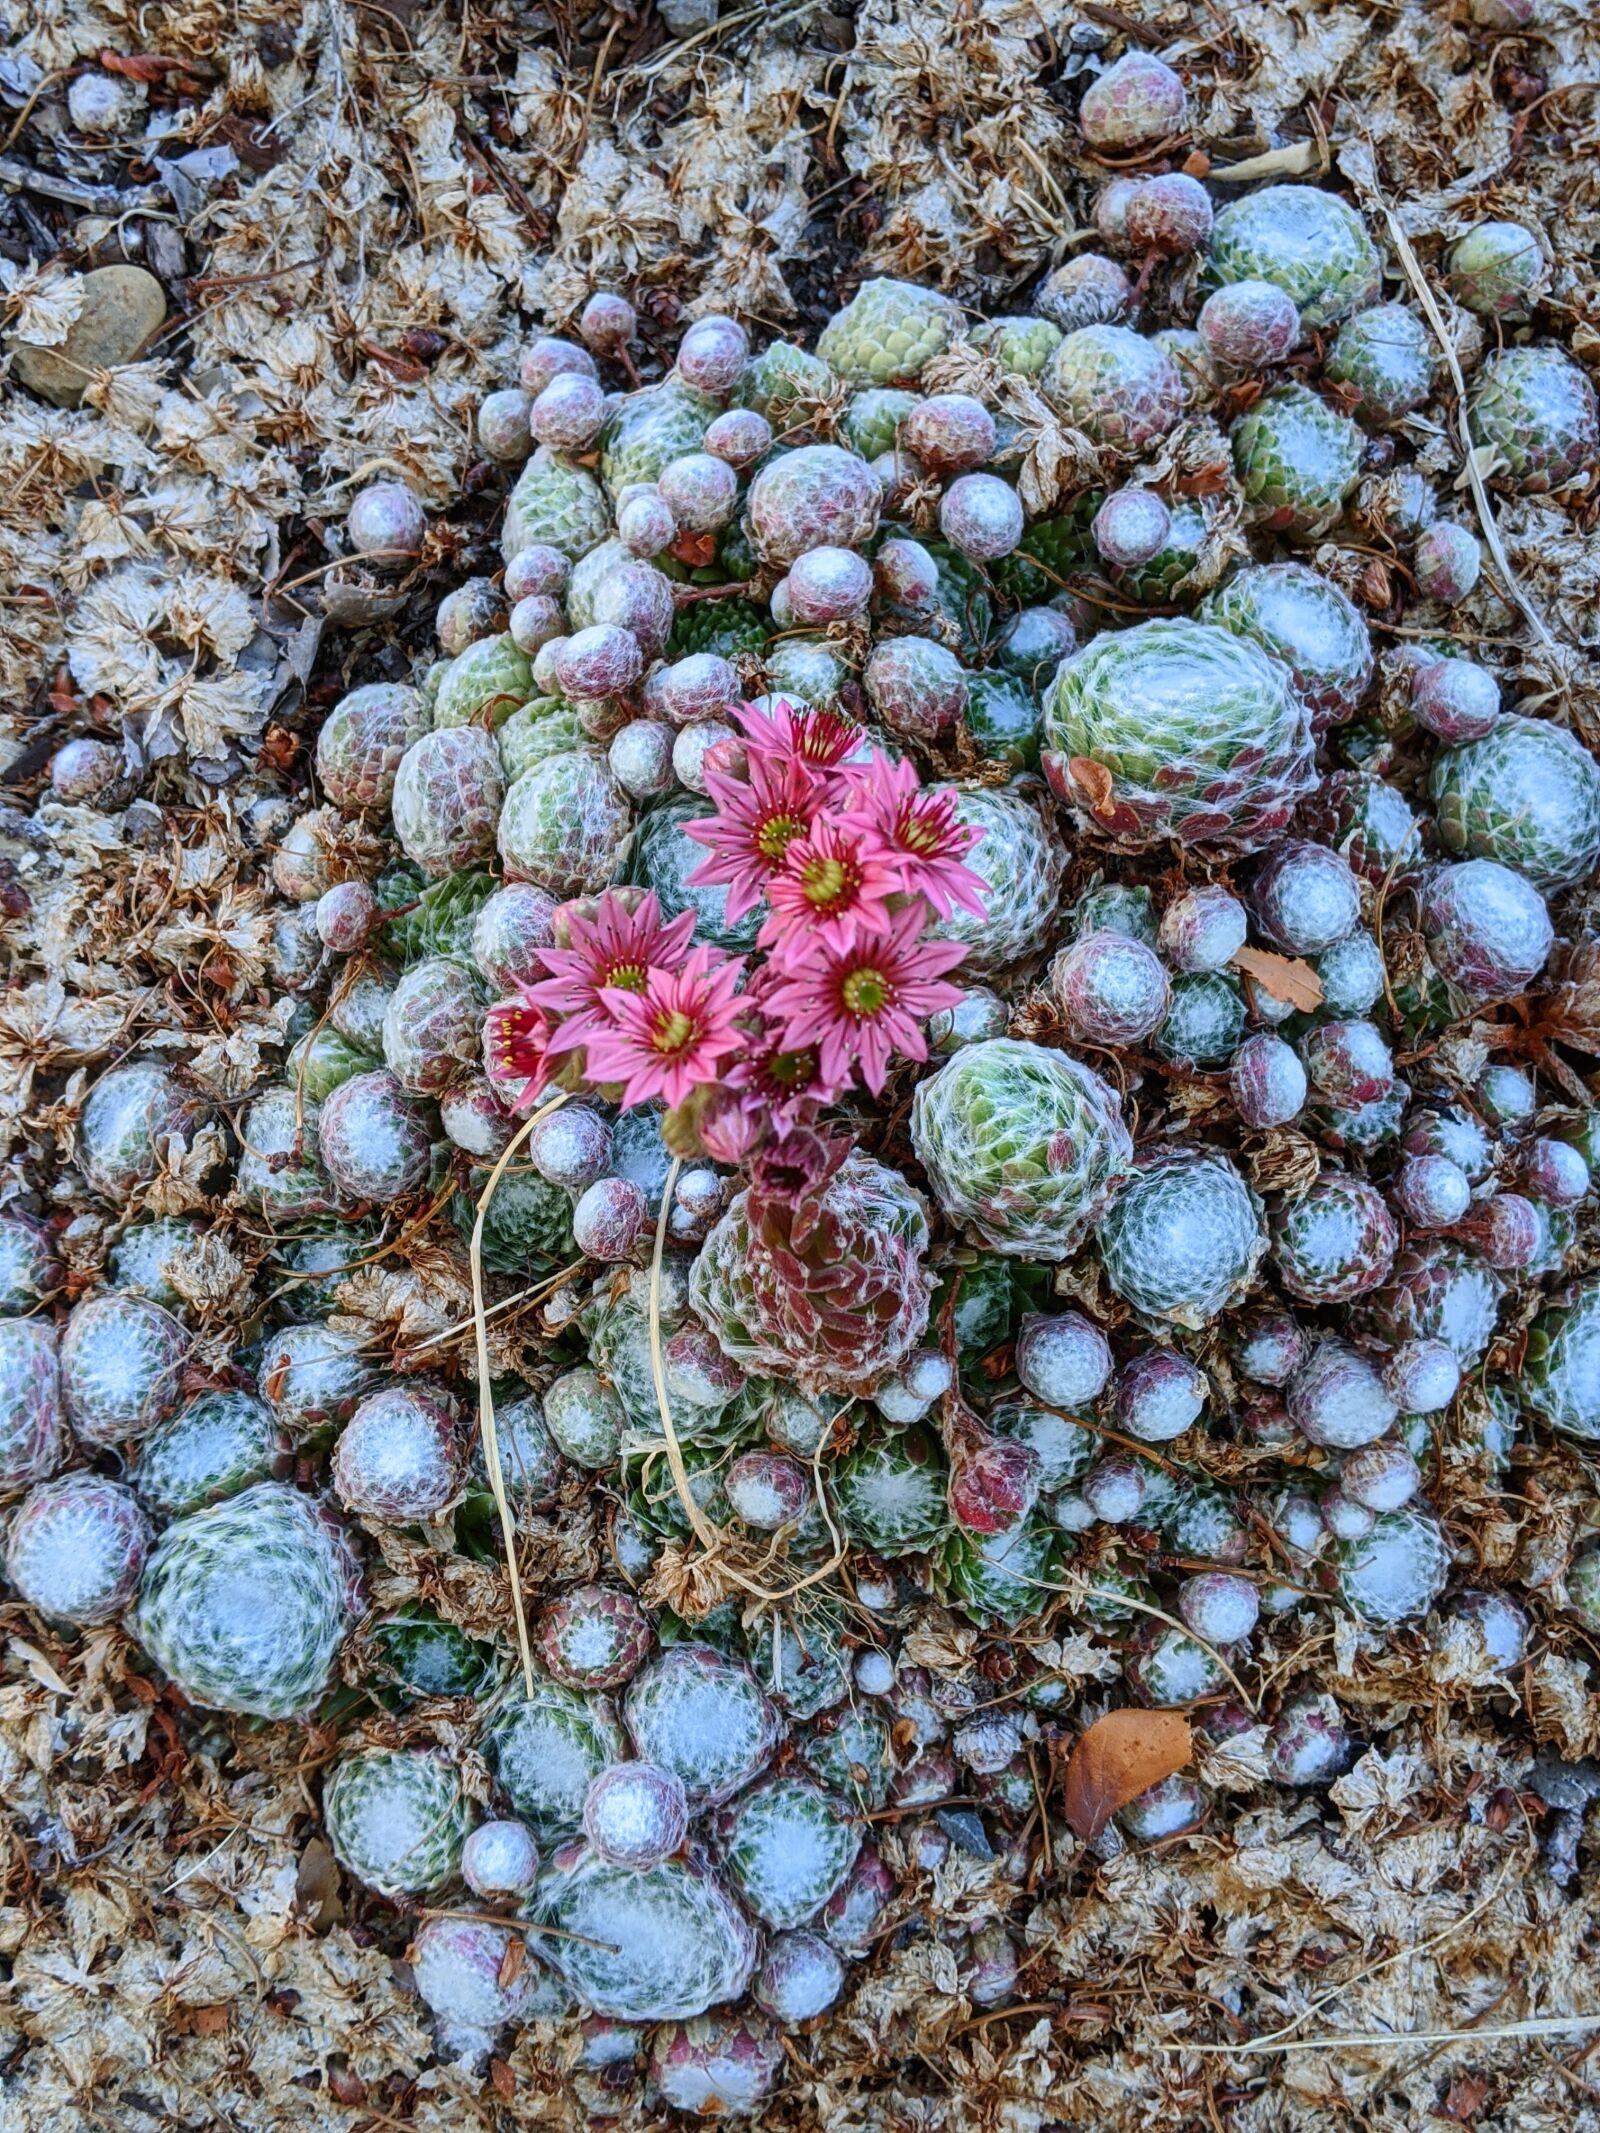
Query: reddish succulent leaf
{"points": [[1284, 976], [1121, 1755]]}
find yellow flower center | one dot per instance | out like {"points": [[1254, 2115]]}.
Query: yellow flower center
{"points": [[866, 992], [776, 834], [825, 881], [792, 1070], [628, 977], [672, 1031], [917, 833]]}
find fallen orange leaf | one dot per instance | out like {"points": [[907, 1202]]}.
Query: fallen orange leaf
{"points": [[1285, 977], [1122, 1755], [1094, 781]]}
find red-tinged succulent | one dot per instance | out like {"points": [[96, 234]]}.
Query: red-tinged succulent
{"points": [[816, 1271], [994, 1481]]}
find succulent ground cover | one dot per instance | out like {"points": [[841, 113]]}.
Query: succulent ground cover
{"points": [[800, 1305]]}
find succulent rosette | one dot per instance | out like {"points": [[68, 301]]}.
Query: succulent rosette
{"points": [[1178, 729]]}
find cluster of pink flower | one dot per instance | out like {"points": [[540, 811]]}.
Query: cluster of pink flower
{"points": [[855, 861]]}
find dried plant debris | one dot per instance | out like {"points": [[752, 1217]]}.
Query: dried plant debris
{"points": [[799, 803]]}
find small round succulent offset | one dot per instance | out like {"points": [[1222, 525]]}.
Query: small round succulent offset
{"points": [[594, 1638], [607, 322], [829, 585], [950, 433], [363, 741], [1022, 1146], [1111, 990], [837, 1308], [1218, 1606], [548, 356], [1488, 932], [245, 1605], [121, 1361], [1131, 526], [721, 2065], [768, 1490], [818, 495], [386, 520], [1248, 325], [1063, 1359], [468, 1981], [1305, 898], [1087, 290], [1557, 1172], [1120, 389], [431, 1027], [1267, 1082], [982, 516], [636, 1815], [75, 1548], [1385, 361], [397, 1457], [396, 1819], [1447, 562], [1497, 269], [1170, 214], [916, 686], [1298, 461], [1204, 1023], [374, 1138], [1302, 618], [1183, 1237], [1160, 1394], [1455, 700], [1136, 101], [1348, 1062], [1336, 1242], [1203, 929], [1272, 1348], [1307, 242], [33, 1434], [1525, 793], [500, 1859], [502, 425], [1337, 1398], [448, 792], [1422, 1377], [1537, 409], [563, 824]]}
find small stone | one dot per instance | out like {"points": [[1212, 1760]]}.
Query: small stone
{"points": [[122, 308]]}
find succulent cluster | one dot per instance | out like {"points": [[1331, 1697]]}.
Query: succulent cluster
{"points": [[920, 989]]}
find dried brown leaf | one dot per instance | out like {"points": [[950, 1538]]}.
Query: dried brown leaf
{"points": [[1093, 782], [1285, 977], [1122, 1755]]}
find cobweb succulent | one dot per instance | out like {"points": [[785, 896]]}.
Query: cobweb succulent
{"points": [[958, 1012]]}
